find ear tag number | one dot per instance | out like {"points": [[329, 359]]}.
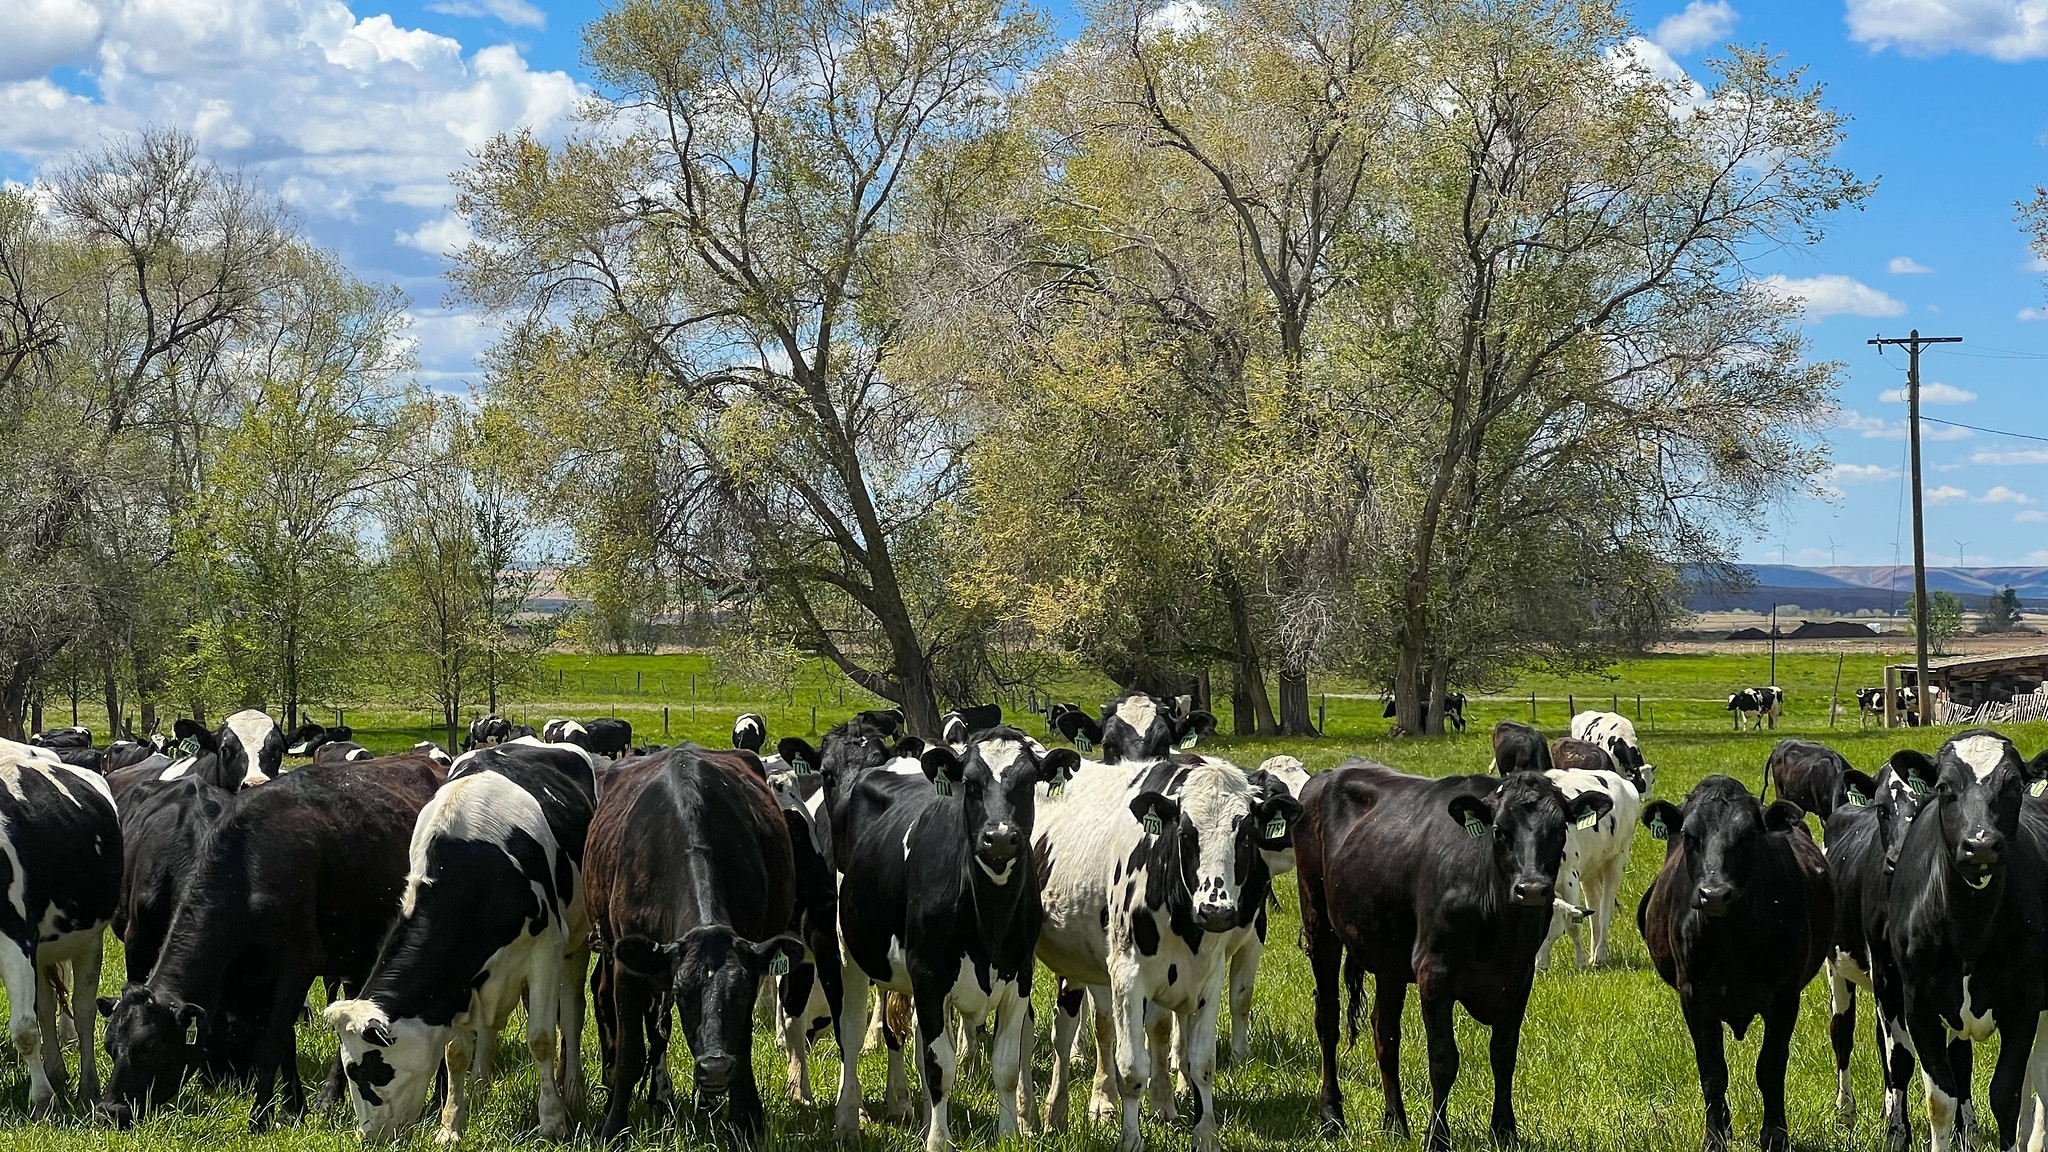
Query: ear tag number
{"points": [[1658, 830], [192, 1032], [1190, 740], [943, 785], [1059, 782], [1276, 827], [189, 746], [1152, 826], [1587, 821], [2037, 787], [1473, 826], [779, 966], [1083, 743], [1918, 786], [802, 767], [1859, 800]]}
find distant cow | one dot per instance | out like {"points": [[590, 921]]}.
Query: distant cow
{"points": [[604, 736], [74, 737], [1617, 734], [126, 753], [1809, 775], [1445, 883], [1134, 726], [432, 751], [60, 851], [1738, 921], [1454, 710], [1519, 748], [956, 726], [1759, 704], [341, 752], [491, 729], [750, 731]]}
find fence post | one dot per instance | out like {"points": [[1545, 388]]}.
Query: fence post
{"points": [[1532, 707], [814, 720], [1615, 704], [664, 721], [1571, 705], [1639, 705], [637, 689], [1322, 713]]}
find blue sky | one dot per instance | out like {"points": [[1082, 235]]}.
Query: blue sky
{"points": [[356, 111]]}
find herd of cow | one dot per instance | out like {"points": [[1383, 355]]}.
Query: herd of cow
{"points": [[432, 895]]}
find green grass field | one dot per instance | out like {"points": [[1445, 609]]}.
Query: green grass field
{"points": [[1605, 1059]]}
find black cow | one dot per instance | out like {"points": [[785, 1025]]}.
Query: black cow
{"points": [[90, 759], [956, 726], [251, 750], [1738, 921], [691, 887], [941, 881], [300, 880], [1447, 884], [1809, 775], [163, 825], [491, 729], [305, 739], [60, 880], [1969, 918], [604, 736], [1760, 704], [492, 917], [126, 754], [1518, 748], [1135, 726]]}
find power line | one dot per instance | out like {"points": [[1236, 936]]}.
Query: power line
{"points": [[1986, 431]]}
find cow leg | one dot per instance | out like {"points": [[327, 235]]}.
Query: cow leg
{"points": [[1708, 1052], [1159, 1040], [896, 1100], [1067, 1002], [1896, 1061], [48, 1022], [1962, 1060], [792, 1011], [1104, 1102], [1842, 1034], [661, 1090], [458, 1057], [1937, 1078], [1008, 1045], [629, 1005], [1198, 1061], [936, 1055], [852, 1034], [1027, 1044], [18, 974], [1133, 1053], [1606, 898], [2009, 1074], [543, 1039], [1771, 1058], [85, 988], [2034, 1119], [1501, 1049], [607, 1021], [1326, 960], [574, 1008], [1389, 995], [1442, 1043], [277, 1054], [1560, 920], [1244, 978]]}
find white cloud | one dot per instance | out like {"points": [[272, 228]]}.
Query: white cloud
{"points": [[1878, 428], [1907, 266], [2016, 456], [1832, 294], [2002, 29], [1637, 58], [2033, 314], [514, 12], [2004, 495], [2030, 516], [445, 233], [1703, 22], [1181, 16], [1946, 494], [1862, 473], [2035, 263], [336, 112], [2038, 557], [1936, 393], [38, 35]]}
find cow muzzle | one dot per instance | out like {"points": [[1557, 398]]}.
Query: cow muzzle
{"points": [[1217, 917], [115, 1112], [1713, 896], [1978, 856], [999, 844], [1534, 891], [714, 1075]]}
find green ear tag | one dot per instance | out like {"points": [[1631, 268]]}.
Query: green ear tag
{"points": [[1152, 823], [192, 1032], [1657, 829], [801, 767], [1858, 799], [1473, 827], [1918, 787], [1059, 782], [1190, 740], [1587, 821], [942, 785], [2037, 787], [1276, 827], [1083, 743], [779, 966], [189, 746]]}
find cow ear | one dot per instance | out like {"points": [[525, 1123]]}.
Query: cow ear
{"points": [[106, 1005], [1917, 769], [1663, 819], [1193, 728], [1473, 813], [774, 956], [2036, 770], [644, 957], [1588, 808], [1783, 816], [1080, 730], [941, 761], [911, 747], [798, 754], [1155, 811], [1275, 817], [1858, 789], [1058, 765]]}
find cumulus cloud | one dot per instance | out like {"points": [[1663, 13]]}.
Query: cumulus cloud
{"points": [[2030, 516], [2003, 495], [2033, 314], [1831, 294], [1936, 393], [2016, 456], [1862, 473], [1907, 266], [2001, 29], [1637, 58], [444, 234], [38, 35], [514, 12], [1946, 494], [1703, 23]]}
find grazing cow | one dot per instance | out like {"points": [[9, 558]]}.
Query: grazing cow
{"points": [[1135, 727], [1617, 735], [750, 731], [251, 750], [1809, 775], [1738, 920], [60, 857], [1863, 838], [299, 880], [491, 729], [1969, 930], [956, 726], [609, 737], [1870, 702], [1278, 775], [1154, 874], [941, 901], [691, 885], [1760, 704], [1518, 748], [1595, 856], [493, 915], [1447, 884]]}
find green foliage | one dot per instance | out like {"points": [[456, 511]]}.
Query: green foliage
{"points": [[2001, 613], [1944, 618]]}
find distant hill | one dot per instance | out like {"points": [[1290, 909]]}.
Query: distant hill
{"points": [[1848, 588]]}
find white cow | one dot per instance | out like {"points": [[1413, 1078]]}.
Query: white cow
{"points": [[1594, 859]]}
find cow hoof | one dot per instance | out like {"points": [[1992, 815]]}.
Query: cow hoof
{"points": [[1395, 1125], [1102, 1110], [1332, 1127], [446, 1138], [1776, 1140], [846, 1133]]}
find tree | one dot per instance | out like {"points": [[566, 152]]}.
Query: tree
{"points": [[2001, 613], [1944, 618], [715, 268]]}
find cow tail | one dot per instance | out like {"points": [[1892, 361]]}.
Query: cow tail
{"points": [[1354, 986], [1763, 790]]}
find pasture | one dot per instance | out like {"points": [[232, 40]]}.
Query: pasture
{"points": [[1605, 1060]]}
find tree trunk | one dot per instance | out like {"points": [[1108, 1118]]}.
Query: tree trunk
{"points": [[1294, 715], [35, 711], [1251, 711], [14, 702], [1439, 688], [916, 694], [1408, 706], [1204, 693], [490, 676], [112, 687]]}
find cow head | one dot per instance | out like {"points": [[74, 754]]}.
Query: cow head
{"points": [[750, 731], [1722, 828], [1278, 776], [1526, 819], [151, 1039], [1213, 824], [251, 748], [1888, 796], [850, 748], [390, 1066], [1135, 726], [714, 975], [1974, 787], [997, 785]]}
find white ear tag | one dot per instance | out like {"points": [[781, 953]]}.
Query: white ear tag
{"points": [[2038, 787], [1588, 820]]}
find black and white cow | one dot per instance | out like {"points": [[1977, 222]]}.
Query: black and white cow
{"points": [[493, 917], [300, 879], [1447, 884], [750, 731], [1616, 734], [128, 753], [432, 751], [691, 889], [1738, 921], [1248, 945], [1519, 748], [941, 901], [73, 737], [1759, 704], [1968, 917], [251, 750], [1595, 857], [305, 739], [60, 852], [1152, 871], [956, 726], [491, 729], [1135, 726], [1454, 710], [603, 736], [341, 752], [1808, 774]]}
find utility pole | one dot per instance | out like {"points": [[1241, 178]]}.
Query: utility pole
{"points": [[1913, 342]]}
